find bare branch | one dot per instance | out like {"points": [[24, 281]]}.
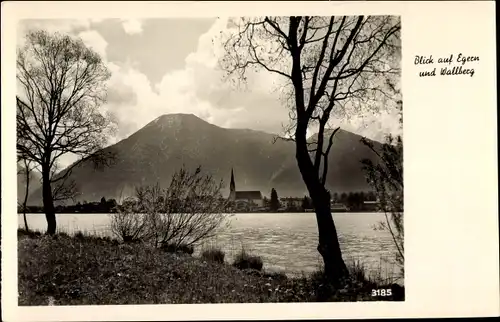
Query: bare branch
{"points": [[325, 156]]}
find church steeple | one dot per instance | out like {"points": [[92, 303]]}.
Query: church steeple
{"points": [[232, 187]]}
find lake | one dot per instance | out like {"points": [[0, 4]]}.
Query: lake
{"points": [[286, 241]]}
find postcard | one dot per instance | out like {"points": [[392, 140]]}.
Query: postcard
{"points": [[244, 160]]}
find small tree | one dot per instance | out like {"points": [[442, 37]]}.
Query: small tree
{"points": [[335, 197], [343, 198], [111, 205], [26, 170], [386, 178], [306, 203], [274, 204]]}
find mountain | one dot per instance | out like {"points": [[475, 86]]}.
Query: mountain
{"points": [[345, 173], [156, 151], [35, 183]]}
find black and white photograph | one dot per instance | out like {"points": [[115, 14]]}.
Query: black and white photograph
{"points": [[214, 160], [202, 154]]}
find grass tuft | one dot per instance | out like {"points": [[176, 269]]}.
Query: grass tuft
{"points": [[246, 261], [213, 254], [182, 248]]}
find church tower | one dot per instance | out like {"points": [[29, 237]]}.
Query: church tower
{"points": [[232, 188]]}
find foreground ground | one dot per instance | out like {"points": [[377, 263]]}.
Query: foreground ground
{"points": [[64, 270]]}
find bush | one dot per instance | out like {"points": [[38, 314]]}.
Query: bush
{"points": [[357, 272], [79, 235], [213, 254], [191, 209], [277, 276], [174, 248], [127, 225], [63, 234], [246, 261]]}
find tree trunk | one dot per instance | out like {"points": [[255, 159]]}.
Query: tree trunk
{"points": [[26, 196], [25, 221], [328, 246], [48, 202]]}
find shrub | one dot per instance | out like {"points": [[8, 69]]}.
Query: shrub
{"points": [[318, 276], [277, 276], [181, 248], [190, 210], [79, 235], [127, 225], [246, 261], [357, 272], [213, 254]]}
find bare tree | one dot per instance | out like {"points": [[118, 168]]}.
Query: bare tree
{"points": [[386, 177], [194, 208], [26, 170], [331, 67], [62, 85], [190, 210]]}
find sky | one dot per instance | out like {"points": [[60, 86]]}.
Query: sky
{"points": [[163, 66]]}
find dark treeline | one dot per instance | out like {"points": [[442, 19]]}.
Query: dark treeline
{"points": [[346, 201], [351, 201], [357, 201], [104, 206]]}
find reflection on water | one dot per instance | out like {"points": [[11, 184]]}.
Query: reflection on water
{"points": [[286, 241]]}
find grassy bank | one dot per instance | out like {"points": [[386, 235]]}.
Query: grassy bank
{"points": [[83, 270]]}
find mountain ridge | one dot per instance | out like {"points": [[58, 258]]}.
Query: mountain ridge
{"points": [[170, 141]]}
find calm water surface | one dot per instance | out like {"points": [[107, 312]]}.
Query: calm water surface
{"points": [[286, 241]]}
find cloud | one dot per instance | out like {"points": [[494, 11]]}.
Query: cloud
{"points": [[73, 27], [55, 25], [198, 88], [64, 26], [94, 40], [132, 26]]}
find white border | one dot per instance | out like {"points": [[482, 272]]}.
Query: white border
{"points": [[451, 205]]}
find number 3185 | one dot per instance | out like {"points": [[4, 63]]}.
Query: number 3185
{"points": [[382, 292]]}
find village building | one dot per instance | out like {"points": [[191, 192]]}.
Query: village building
{"points": [[292, 202], [371, 205], [338, 207], [249, 198]]}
